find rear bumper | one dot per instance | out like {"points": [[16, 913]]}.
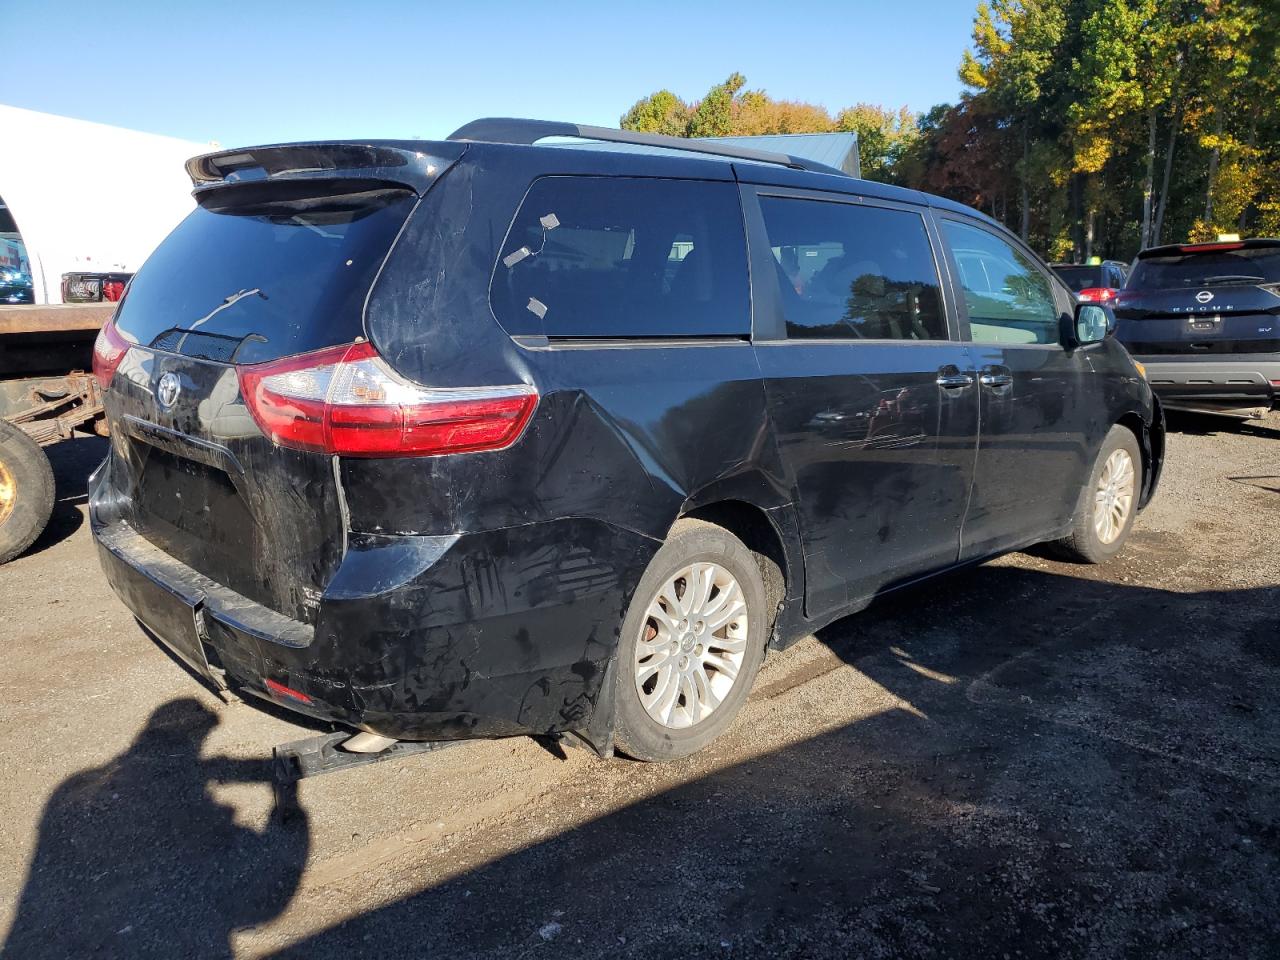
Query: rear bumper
{"points": [[418, 638], [1219, 381]]}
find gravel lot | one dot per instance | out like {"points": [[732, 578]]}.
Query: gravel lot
{"points": [[1030, 759]]}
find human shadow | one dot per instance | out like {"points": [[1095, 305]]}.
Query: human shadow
{"points": [[135, 858], [1057, 766]]}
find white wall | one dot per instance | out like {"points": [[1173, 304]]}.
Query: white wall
{"points": [[87, 196]]}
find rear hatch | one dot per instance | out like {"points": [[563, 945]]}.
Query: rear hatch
{"points": [[1081, 276], [277, 260], [1203, 299]]}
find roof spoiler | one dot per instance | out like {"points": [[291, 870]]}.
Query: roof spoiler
{"points": [[371, 160], [1173, 249], [528, 132]]}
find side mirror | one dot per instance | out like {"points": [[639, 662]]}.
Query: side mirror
{"points": [[1093, 323]]}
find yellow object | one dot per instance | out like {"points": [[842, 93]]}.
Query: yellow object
{"points": [[1142, 368]]}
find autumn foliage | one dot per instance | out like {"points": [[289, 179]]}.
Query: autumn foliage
{"points": [[1091, 127]]}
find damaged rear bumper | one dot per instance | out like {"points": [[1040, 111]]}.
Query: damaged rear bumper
{"points": [[489, 634]]}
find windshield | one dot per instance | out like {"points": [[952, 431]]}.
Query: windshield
{"points": [[1080, 278], [1244, 266], [251, 283]]}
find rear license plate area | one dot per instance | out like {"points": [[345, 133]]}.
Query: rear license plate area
{"points": [[192, 497]]}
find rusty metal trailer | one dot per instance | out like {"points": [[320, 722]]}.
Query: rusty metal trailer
{"points": [[47, 394]]}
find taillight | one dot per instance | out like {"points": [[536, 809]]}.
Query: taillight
{"points": [[108, 350], [112, 290], [346, 400], [1096, 294]]}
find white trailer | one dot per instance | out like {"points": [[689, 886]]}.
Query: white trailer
{"points": [[79, 197]]}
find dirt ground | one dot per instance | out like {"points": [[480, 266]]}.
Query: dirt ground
{"points": [[1030, 759]]}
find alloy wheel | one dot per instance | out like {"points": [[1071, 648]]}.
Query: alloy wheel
{"points": [[1113, 498], [691, 646]]}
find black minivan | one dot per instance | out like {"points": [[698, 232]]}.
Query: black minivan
{"points": [[490, 436]]}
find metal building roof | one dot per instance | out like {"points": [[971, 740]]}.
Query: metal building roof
{"points": [[839, 150]]}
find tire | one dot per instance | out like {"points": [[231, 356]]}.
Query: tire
{"points": [[692, 545], [1086, 543], [26, 491]]}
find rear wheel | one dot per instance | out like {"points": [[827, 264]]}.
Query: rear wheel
{"points": [[691, 644], [1104, 514], [26, 491]]}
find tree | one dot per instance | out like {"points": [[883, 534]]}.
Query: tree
{"points": [[883, 136], [662, 112], [729, 109], [1089, 126], [1014, 46], [713, 116], [1128, 69]]}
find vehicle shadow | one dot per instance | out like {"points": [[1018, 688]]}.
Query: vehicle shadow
{"points": [[1051, 766], [136, 858], [1059, 776], [72, 461], [1208, 425]]}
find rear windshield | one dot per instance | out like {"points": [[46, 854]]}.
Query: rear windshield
{"points": [[266, 280], [1258, 265], [1080, 278]]}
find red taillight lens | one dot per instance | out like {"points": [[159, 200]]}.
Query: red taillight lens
{"points": [[280, 690], [113, 290], [108, 350], [1096, 294], [347, 401]]}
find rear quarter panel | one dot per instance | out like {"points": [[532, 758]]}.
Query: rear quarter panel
{"points": [[555, 531]]}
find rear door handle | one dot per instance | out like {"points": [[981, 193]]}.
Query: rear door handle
{"points": [[950, 378], [995, 377]]}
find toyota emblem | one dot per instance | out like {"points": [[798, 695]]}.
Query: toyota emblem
{"points": [[1204, 296], [167, 390]]}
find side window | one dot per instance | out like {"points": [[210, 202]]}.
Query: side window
{"points": [[624, 257], [853, 272], [1009, 299]]}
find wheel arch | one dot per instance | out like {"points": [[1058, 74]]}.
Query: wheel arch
{"points": [[1150, 437], [767, 533]]}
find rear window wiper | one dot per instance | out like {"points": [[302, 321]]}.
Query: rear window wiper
{"points": [[1234, 278]]}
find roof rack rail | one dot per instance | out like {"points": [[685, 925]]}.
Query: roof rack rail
{"points": [[516, 130]]}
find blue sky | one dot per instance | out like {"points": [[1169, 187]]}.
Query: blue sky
{"points": [[243, 73]]}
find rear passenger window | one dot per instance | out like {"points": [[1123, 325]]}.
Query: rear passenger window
{"points": [[1008, 298], [624, 257], [852, 272]]}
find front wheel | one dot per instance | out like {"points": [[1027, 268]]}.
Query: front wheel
{"points": [[1104, 514], [691, 645]]}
